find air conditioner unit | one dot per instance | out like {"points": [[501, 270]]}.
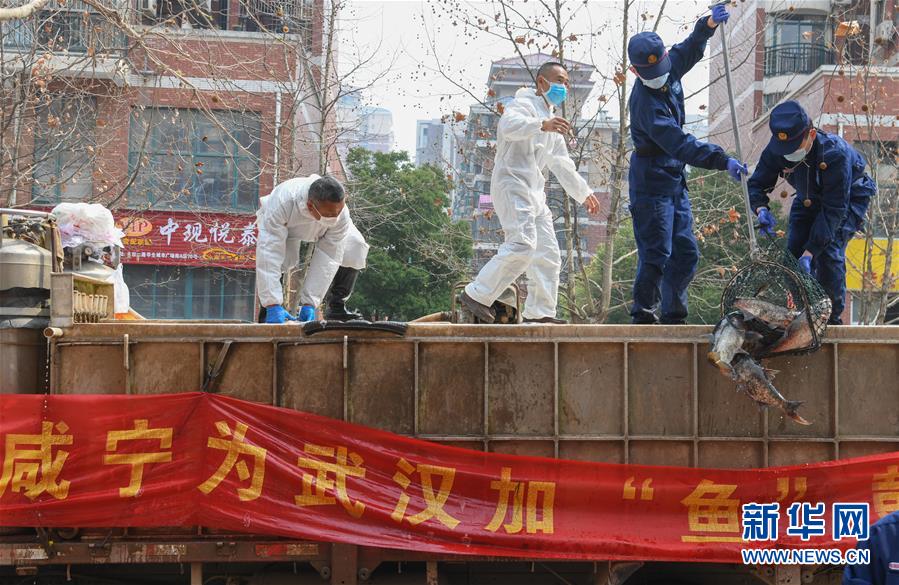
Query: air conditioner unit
{"points": [[147, 7], [885, 31]]}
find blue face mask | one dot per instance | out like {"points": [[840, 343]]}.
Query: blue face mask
{"points": [[556, 94]]}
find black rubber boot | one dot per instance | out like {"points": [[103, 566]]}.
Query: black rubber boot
{"points": [[341, 289]]}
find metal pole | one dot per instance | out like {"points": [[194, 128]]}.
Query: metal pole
{"points": [[744, 182]]}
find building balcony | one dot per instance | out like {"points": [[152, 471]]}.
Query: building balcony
{"points": [[796, 58], [68, 32]]}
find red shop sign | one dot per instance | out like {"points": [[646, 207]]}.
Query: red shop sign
{"points": [[188, 238]]}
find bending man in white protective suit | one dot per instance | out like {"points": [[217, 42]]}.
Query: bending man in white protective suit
{"points": [[529, 139], [308, 209]]}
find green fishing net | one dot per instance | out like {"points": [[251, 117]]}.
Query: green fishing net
{"points": [[775, 276]]}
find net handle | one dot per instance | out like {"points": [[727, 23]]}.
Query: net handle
{"points": [[744, 180]]}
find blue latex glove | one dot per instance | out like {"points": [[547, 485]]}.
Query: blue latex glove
{"points": [[307, 313], [736, 169], [766, 222], [719, 13], [277, 314], [805, 262]]}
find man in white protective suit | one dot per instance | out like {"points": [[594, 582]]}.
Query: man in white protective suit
{"points": [[530, 138], [308, 209]]}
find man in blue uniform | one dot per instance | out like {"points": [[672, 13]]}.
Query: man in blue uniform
{"points": [[659, 200], [884, 547], [832, 196]]}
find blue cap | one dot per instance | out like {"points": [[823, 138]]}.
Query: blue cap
{"points": [[789, 124], [648, 55]]}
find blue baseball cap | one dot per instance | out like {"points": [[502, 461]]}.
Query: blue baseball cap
{"points": [[789, 125], [648, 55]]}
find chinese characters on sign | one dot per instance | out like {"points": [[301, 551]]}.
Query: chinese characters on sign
{"points": [[234, 446], [180, 238], [205, 459], [32, 463], [761, 522]]}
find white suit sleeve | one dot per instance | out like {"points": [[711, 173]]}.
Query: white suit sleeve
{"points": [[518, 122], [324, 264], [270, 249], [563, 168]]}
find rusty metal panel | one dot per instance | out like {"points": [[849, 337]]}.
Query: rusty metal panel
{"points": [[591, 388], [246, 372], [531, 448], [596, 451], [723, 411], [472, 445], [869, 389], [797, 453], [381, 388], [808, 378], [91, 369], [850, 449], [731, 454], [23, 361], [521, 386], [310, 378], [161, 368], [660, 389], [451, 388], [662, 453]]}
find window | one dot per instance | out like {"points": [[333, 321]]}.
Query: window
{"points": [[71, 28], [796, 44], [293, 17], [882, 157], [787, 29], [176, 292], [189, 160], [63, 142], [769, 100]]}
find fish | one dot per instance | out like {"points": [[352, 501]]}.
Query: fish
{"points": [[768, 312], [727, 340], [798, 335], [765, 335], [755, 381]]}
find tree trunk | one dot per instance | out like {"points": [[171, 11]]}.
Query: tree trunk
{"points": [[617, 181]]}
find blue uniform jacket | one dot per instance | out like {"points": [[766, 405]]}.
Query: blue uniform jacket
{"points": [[884, 547], [661, 147], [832, 177]]}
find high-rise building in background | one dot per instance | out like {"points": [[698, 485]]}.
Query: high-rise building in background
{"points": [[436, 143], [473, 202], [838, 58], [376, 129], [363, 126]]}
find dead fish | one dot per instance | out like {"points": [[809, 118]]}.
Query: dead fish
{"points": [[797, 336], [756, 382], [726, 341], [765, 335], [768, 312]]}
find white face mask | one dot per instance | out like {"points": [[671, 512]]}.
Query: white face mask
{"points": [[328, 222], [797, 155], [655, 82]]}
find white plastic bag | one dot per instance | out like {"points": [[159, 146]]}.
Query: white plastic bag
{"points": [[81, 223]]}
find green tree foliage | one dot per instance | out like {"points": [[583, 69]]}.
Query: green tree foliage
{"points": [[417, 251]]}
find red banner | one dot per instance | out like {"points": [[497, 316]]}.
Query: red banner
{"points": [[203, 459], [188, 238]]}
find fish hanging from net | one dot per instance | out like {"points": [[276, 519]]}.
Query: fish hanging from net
{"points": [[780, 301]]}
